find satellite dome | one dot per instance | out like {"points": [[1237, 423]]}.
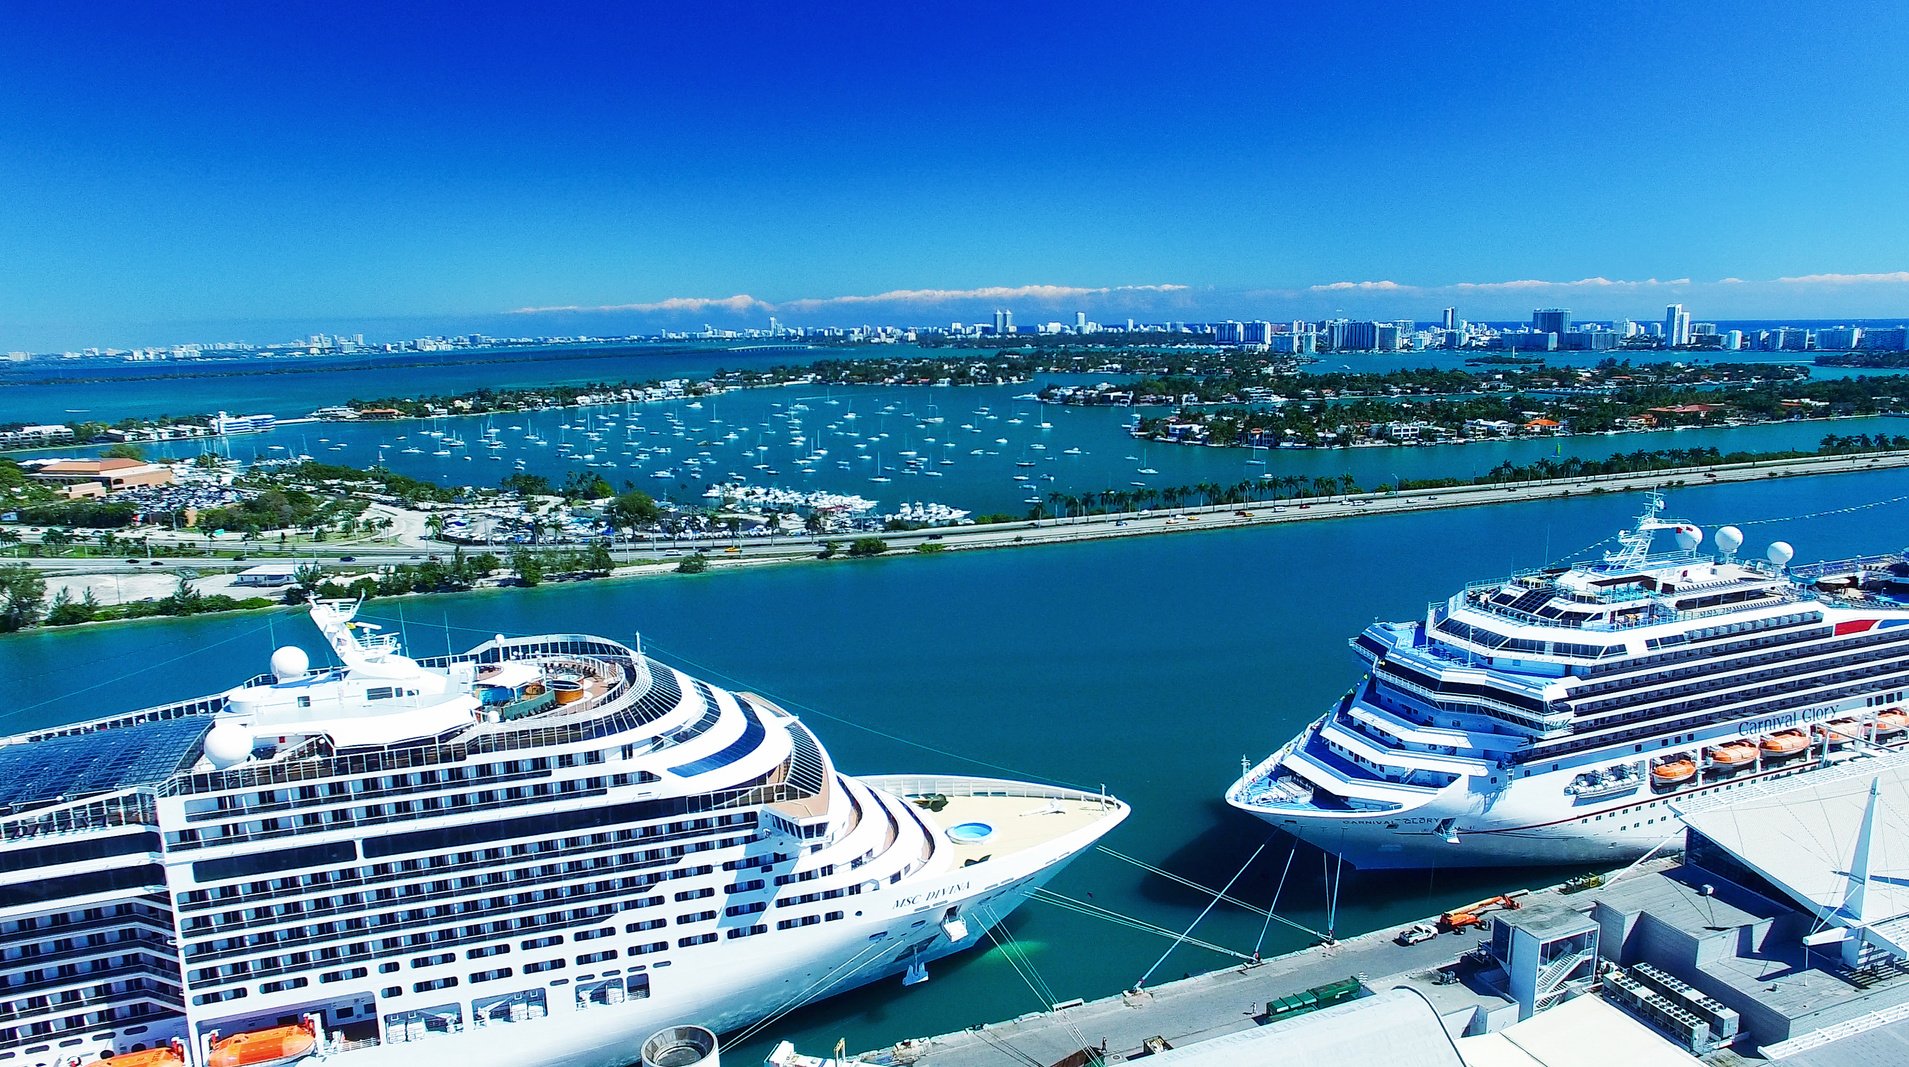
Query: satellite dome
{"points": [[290, 662], [228, 744], [1781, 553], [1689, 537], [1729, 539]]}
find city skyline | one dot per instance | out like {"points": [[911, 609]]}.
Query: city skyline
{"points": [[178, 174]]}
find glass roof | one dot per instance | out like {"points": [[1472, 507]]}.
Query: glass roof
{"points": [[36, 772]]}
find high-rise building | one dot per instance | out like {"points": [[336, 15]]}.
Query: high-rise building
{"points": [[1552, 320], [1003, 321], [1451, 319], [1080, 322], [1839, 339], [1886, 339], [1676, 325]]}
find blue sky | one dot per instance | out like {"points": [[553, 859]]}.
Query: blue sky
{"points": [[199, 171]]}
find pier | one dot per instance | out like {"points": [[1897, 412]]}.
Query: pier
{"points": [[1215, 1003]]}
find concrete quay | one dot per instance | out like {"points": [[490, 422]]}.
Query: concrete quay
{"points": [[1215, 1003]]}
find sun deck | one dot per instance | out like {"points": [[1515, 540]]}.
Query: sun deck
{"points": [[1001, 817]]}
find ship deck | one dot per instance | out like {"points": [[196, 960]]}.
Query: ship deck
{"points": [[1016, 816]]}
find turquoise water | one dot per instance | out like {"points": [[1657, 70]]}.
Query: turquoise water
{"points": [[989, 452], [31, 392], [1151, 665]]}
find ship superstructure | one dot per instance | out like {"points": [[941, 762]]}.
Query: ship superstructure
{"points": [[540, 850], [1556, 716]]}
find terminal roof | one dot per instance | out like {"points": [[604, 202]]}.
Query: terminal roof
{"points": [[1803, 839], [56, 768]]}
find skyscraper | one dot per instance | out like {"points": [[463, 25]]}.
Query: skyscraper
{"points": [[1003, 321], [1451, 318], [1676, 325], [1552, 320]]}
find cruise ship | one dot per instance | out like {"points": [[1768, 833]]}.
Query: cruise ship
{"points": [[538, 851], [1559, 716]]}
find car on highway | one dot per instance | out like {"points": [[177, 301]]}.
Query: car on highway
{"points": [[347, 559]]}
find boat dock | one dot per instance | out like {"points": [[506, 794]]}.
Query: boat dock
{"points": [[1233, 999]]}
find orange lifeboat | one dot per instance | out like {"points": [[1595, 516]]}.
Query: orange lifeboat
{"points": [[1892, 721], [1732, 755], [1673, 771], [173, 1055], [1785, 743], [1840, 731], [265, 1048]]}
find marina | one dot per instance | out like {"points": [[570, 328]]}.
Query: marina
{"points": [[876, 442]]}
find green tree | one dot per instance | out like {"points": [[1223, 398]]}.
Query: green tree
{"points": [[22, 593], [632, 510], [866, 546], [695, 564], [527, 567], [599, 561], [123, 450]]}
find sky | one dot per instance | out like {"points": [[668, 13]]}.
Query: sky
{"points": [[205, 171]]}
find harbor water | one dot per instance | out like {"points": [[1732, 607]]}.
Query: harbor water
{"points": [[977, 448], [1151, 666]]}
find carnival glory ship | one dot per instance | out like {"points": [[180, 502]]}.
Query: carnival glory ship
{"points": [[1556, 717], [538, 851]]}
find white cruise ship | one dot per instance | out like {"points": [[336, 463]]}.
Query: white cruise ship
{"points": [[538, 851], [1556, 717]]}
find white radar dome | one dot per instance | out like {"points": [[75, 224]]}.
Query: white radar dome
{"points": [[290, 662], [1689, 537], [228, 744], [1729, 539], [1781, 553]]}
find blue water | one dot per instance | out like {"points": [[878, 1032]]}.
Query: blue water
{"points": [[42, 391], [984, 443], [54, 391], [1152, 665]]}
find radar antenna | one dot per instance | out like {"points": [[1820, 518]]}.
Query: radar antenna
{"points": [[1634, 544]]}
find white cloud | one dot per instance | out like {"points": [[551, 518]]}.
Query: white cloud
{"points": [[1514, 285], [991, 292], [741, 302], [1339, 287], [1897, 277]]}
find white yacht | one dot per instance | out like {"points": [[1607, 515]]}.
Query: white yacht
{"points": [[1558, 716], [537, 851]]}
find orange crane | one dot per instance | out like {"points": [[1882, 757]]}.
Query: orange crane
{"points": [[1471, 915]]}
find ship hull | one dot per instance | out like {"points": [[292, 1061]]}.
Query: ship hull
{"points": [[800, 968]]}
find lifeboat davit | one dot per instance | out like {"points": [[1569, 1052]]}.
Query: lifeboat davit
{"points": [[1733, 755], [1785, 743], [265, 1048], [173, 1055], [1673, 771], [1840, 731]]}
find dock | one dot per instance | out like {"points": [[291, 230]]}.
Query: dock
{"points": [[1215, 1003]]}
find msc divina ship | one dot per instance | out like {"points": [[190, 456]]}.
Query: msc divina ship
{"points": [[1557, 716], [538, 851]]}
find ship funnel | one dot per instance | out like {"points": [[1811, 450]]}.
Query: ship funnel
{"points": [[682, 1046]]}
